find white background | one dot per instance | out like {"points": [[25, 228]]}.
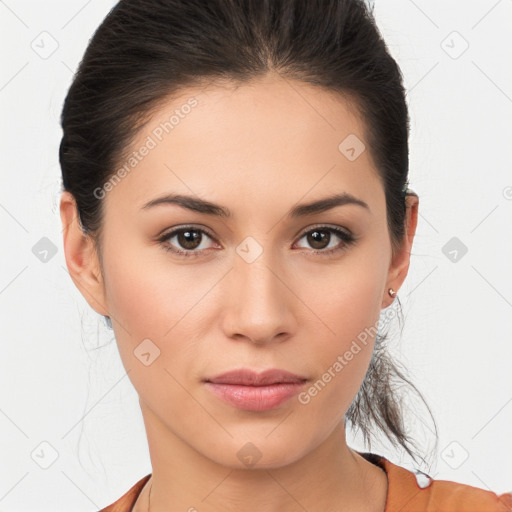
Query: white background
{"points": [[62, 382]]}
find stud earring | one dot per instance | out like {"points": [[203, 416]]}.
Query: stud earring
{"points": [[391, 292]]}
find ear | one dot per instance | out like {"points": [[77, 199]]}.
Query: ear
{"points": [[400, 262], [81, 256]]}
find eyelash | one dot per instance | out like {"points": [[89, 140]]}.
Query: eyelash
{"points": [[346, 237]]}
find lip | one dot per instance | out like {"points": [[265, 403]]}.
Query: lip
{"points": [[248, 377], [252, 391]]}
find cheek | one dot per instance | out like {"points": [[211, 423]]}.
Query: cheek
{"points": [[145, 295], [349, 307], [349, 302], [151, 298], [149, 311]]}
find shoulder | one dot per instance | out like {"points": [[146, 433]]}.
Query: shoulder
{"points": [[127, 500], [415, 491]]}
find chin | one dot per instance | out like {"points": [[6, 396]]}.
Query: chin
{"points": [[256, 454]]}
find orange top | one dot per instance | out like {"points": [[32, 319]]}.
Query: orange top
{"points": [[408, 491]]}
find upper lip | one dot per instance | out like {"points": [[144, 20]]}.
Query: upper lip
{"points": [[247, 377]]}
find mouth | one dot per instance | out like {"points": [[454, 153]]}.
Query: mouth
{"points": [[251, 391]]}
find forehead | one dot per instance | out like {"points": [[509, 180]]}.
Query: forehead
{"points": [[273, 138]]}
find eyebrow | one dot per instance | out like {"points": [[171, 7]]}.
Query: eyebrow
{"points": [[206, 207]]}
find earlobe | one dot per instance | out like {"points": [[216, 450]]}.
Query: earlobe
{"points": [[401, 260], [81, 256]]}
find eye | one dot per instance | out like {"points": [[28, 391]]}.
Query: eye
{"points": [[321, 237], [189, 239]]}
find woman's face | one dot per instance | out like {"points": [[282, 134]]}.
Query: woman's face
{"points": [[260, 288]]}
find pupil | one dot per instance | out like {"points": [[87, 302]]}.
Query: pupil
{"points": [[318, 237], [188, 239]]}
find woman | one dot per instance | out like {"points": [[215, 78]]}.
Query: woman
{"points": [[236, 205]]}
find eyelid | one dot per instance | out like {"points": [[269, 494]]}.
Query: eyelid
{"points": [[164, 234], [302, 232], [346, 236], [171, 233]]}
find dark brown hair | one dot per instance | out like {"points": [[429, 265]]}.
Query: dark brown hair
{"points": [[147, 50]]}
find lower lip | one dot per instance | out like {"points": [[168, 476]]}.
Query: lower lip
{"points": [[255, 398]]}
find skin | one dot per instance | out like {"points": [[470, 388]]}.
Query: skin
{"points": [[258, 150]]}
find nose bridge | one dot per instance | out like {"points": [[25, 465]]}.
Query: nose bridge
{"points": [[259, 306], [256, 271]]}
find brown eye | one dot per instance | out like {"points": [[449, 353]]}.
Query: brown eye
{"points": [[187, 241], [320, 238]]}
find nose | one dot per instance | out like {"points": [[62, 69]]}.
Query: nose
{"points": [[259, 304]]}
